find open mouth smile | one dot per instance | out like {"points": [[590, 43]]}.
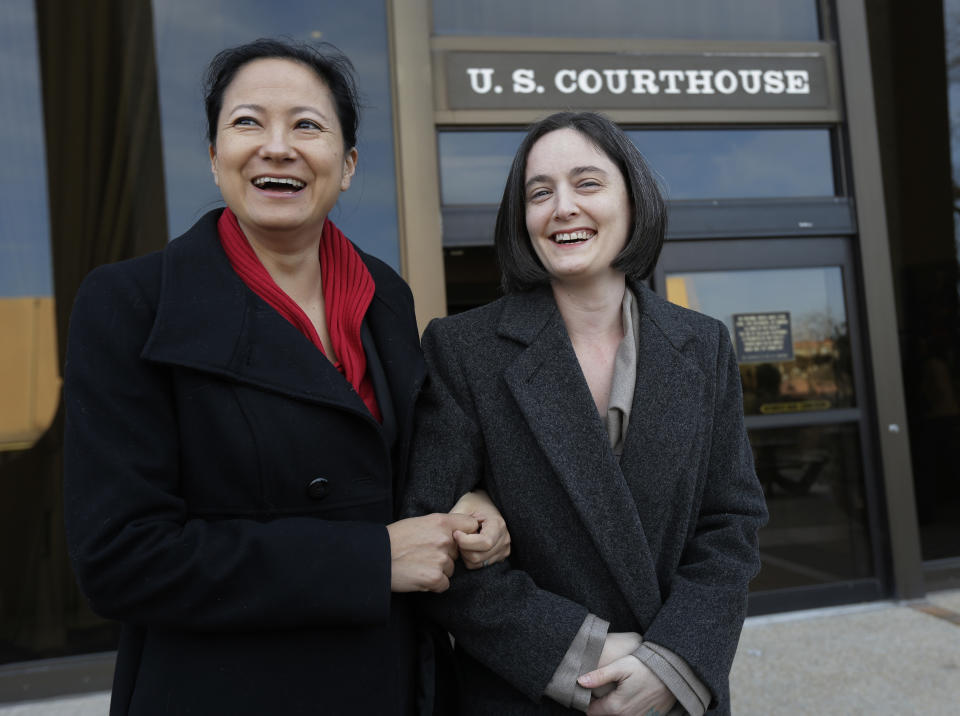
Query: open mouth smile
{"points": [[572, 237], [286, 185]]}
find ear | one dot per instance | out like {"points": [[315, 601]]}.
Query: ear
{"points": [[349, 167], [213, 165]]}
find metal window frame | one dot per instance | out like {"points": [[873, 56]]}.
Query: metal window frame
{"points": [[692, 219]]}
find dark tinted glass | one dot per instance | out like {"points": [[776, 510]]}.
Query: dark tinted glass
{"points": [[813, 481], [790, 330], [190, 32], [41, 613], [691, 19], [690, 163], [929, 309]]}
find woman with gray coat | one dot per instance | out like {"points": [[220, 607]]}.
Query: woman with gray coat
{"points": [[607, 425]]}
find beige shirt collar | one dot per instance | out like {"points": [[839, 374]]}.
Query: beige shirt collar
{"points": [[624, 381]]}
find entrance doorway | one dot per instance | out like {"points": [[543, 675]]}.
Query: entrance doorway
{"points": [[791, 309]]}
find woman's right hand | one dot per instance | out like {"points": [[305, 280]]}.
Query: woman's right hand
{"points": [[617, 645], [423, 551]]}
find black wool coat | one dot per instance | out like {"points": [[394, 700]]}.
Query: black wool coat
{"points": [[227, 491], [662, 542]]}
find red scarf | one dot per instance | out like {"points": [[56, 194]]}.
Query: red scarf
{"points": [[347, 292]]}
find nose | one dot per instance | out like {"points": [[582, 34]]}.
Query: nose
{"points": [[276, 146], [565, 205]]}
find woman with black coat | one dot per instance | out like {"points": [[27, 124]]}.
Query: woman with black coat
{"points": [[238, 423]]}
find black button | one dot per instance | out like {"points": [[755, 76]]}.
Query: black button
{"points": [[318, 489]]}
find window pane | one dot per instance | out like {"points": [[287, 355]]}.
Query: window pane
{"points": [[190, 32], [29, 376], [689, 163], [24, 221], [813, 481], [690, 19], [739, 163], [790, 329], [474, 165]]}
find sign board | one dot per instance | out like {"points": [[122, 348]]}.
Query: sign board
{"points": [[763, 337], [549, 80]]}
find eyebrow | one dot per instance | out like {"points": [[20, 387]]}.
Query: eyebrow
{"points": [[576, 171], [293, 110], [254, 107]]}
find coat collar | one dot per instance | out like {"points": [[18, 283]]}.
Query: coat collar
{"points": [[207, 319], [614, 499]]}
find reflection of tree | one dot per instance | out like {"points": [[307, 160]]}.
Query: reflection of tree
{"points": [[821, 368], [842, 359], [814, 326]]}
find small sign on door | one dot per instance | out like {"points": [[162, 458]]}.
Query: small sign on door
{"points": [[763, 337]]}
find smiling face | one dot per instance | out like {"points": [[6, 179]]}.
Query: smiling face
{"points": [[577, 207], [279, 158]]}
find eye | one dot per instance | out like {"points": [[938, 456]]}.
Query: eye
{"points": [[306, 124], [589, 184], [244, 122], [538, 194]]}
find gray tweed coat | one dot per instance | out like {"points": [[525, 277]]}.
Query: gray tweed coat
{"points": [[663, 542]]}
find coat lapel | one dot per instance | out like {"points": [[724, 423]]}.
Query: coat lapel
{"points": [[394, 333], [551, 392], [666, 428], [209, 320]]}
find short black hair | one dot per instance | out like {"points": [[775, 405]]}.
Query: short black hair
{"points": [[331, 66], [520, 268]]}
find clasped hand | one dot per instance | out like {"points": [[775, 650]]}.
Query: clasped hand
{"points": [[423, 549], [622, 684]]}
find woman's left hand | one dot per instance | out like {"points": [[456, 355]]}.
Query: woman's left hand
{"points": [[638, 692], [489, 544]]}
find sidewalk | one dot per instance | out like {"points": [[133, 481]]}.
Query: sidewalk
{"points": [[880, 659]]}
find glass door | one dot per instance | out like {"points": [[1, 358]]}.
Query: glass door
{"points": [[790, 307]]}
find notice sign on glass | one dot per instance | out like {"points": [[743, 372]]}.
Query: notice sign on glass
{"points": [[763, 337]]}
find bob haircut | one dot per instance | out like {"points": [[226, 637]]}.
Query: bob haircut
{"points": [[520, 267], [330, 65]]}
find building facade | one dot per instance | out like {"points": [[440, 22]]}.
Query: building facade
{"points": [[804, 147]]}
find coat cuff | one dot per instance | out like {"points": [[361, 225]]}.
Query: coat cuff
{"points": [[676, 675], [582, 656]]}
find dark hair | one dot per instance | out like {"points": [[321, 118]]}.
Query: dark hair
{"points": [[330, 65], [520, 268]]}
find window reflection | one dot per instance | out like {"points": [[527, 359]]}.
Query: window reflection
{"points": [[739, 163], [689, 163], [29, 374], [815, 370], [813, 481], [691, 19]]}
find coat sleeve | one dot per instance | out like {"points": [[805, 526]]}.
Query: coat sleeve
{"points": [[139, 555], [498, 614], [704, 608]]}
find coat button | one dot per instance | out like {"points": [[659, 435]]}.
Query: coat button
{"points": [[318, 489]]}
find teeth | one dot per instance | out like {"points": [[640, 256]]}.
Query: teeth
{"points": [[572, 237], [263, 181]]}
